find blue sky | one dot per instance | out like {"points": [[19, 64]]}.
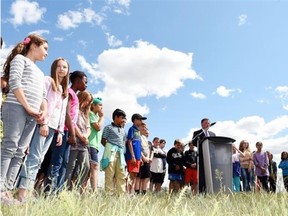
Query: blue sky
{"points": [[174, 61]]}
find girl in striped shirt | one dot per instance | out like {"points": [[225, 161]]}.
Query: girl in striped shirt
{"points": [[24, 107]]}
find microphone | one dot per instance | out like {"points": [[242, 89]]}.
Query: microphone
{"points": [[212, 124]]}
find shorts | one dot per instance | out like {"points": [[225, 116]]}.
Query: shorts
{"points": [[175, 176], [157, 177], [191, 176], [133, 168], [93, 155], [144, 171]]}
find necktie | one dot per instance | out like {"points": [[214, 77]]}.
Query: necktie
{"points": [[206, 133]]}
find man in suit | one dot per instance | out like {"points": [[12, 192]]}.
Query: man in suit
{"points": [[197, 139]]}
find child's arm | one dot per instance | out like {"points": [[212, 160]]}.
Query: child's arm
{"points": [[68, 121], [103, 141], [144, 158], [98, 125], [81, 135], [44, 130], [130, 147], [240, 152], [19, 94], [151, 154]]}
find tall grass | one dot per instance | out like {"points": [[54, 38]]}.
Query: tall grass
{"points": [[181, 204]]}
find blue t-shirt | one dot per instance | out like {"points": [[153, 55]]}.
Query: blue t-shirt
{"points": [[135, 136]]}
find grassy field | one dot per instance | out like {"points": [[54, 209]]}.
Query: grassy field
{"points": [[71, 203]]}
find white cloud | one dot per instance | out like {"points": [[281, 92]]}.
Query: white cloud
{"points": [[72, 19], [40, 32], [130, 73], [58, 39], [242, 19], [26, 12], [282, 92], [273, 134], [198, 95], [225, 92], [113, 41], [120, 6], [83, 43], [263, 101]]}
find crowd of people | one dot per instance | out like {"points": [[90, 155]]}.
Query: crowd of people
{"points": [[52, 133], [256, 169]]}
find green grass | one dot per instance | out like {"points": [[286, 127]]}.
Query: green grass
{"points": [[181, 204]]}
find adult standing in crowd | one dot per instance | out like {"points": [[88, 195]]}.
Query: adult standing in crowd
{"points": [[284, 166], [261, 162], [272, 168], [197, 139], [247, 166]]}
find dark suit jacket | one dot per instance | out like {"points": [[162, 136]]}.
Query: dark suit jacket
{"points": [[198, 141]]}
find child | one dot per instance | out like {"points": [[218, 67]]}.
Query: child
{"points": [[143, 177], [133, 149], [24, 106], [96, 117], [175, 160], [284, 166], [79, 151], [158, 164], [236, 170], [57, 92], [261, 162], [190, 161], [272, 168], [60, 152], [113, 161], [247, 166]]}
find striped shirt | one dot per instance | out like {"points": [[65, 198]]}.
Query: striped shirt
{"points": [[26, 75], [115, 135]]}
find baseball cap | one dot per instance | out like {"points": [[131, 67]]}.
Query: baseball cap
{"points": [[97, 100], [137, 116]]}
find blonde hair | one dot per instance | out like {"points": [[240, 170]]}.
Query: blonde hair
{"points": [[241, 146], [55, 82], [82, 97]]}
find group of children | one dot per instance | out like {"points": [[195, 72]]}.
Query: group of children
{"points": [[257, 170], [52, 133], [42, 113]]}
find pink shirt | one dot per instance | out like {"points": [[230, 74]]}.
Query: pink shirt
{"points": [[56, 106], [74, 108]]}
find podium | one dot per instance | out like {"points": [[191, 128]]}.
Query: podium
{"points": [[218, 169]]}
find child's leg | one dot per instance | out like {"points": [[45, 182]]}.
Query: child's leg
{"points": [[94, 168], [144, 184], [83, 159], [57, 157], [137, 184], [119, 176], [18, 131], [38, 148], [71, 167], [109, 176], [171, 186]]}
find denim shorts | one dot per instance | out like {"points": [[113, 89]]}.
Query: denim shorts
{"points": [[175, 177], [93, 153]]}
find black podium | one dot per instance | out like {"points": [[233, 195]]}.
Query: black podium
{"points": [[217, 158]]}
